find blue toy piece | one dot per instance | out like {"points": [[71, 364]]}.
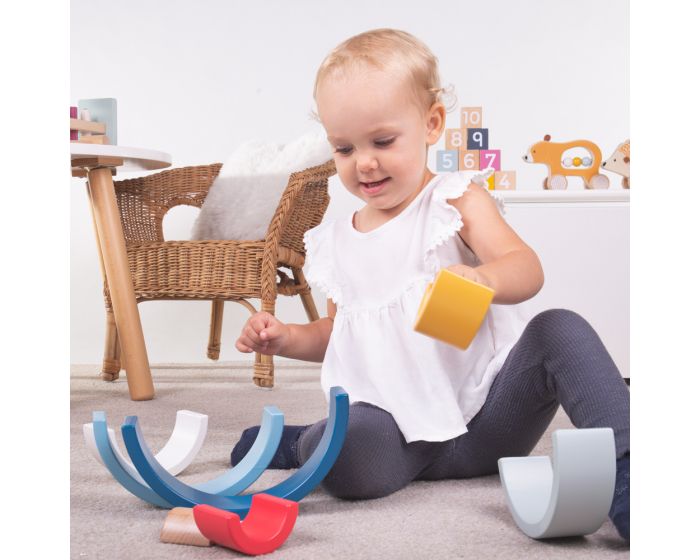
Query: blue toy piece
{"points": [[182, 447], [249, 469], [296, 487], [114, 466], [567, 496], [232, 482]]}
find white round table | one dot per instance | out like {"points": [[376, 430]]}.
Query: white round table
{"points": [[99, 162]]}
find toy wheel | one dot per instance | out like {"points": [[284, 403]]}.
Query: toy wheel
{"points": [[556, 182], [598, 182]]}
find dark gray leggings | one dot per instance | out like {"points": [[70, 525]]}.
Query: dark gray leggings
{"points": [[559, 359]]}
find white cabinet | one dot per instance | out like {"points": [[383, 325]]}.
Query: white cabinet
{"points": [[582, 238]]}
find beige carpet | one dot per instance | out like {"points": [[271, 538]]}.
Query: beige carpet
{"points": [[436, 520]]}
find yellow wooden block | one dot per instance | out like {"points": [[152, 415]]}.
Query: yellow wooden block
{"points": [[455, 139], [469, 160], [470, 117], [491, 181], [505, 180], [453, 309]]}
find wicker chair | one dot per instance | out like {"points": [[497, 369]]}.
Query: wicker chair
{"points": [[216, 270]]}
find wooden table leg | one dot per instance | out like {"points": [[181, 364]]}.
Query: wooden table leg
{"points": [[116, 265]]}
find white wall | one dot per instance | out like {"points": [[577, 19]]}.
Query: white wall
{"points": [[195, 79]]}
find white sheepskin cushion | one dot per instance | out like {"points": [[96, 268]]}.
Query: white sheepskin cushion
{"points": [[244, 196]]}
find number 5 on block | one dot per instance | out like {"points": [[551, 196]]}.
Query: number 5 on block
{"points": [[447, 160]]}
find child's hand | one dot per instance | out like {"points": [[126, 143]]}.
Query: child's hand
{"points": [[470, 274], [263, 333]]}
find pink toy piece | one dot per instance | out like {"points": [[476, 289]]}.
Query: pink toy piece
{"points": [[266, 527]]}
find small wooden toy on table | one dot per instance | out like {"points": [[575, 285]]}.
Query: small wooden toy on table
{"points": [[97, 123], [467, 149], [453, 309], [619, 163], [560, 165]]}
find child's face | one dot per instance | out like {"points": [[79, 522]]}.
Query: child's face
{"points": [[379, 136]]}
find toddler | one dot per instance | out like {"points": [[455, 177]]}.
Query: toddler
{"points": [[421, 409]]}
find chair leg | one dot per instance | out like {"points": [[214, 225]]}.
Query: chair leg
{"points": [[305, 294], [111, 363], [264, 368], [217, 318]]}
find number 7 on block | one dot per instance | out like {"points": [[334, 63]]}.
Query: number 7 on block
{"points": [[490, 158]]}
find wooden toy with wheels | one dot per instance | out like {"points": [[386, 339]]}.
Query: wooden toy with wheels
{"points": [[556, 156], [619, 162]]}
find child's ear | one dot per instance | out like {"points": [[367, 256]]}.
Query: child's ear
{"points": [[435, 122]]}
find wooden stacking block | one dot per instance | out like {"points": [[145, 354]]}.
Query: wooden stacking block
{"points": [[103, 110], [470, 117], [477, 139], [490, 158], [181, 528], [88, 126], [455, 139], [505, 180], [93, 139], [469, 160], [448, 160], [491, 182], [73, 115], [453, 309]]}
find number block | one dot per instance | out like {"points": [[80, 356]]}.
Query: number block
{"points": [[490, 158], [477, 139], [505, 180], [470, 117], [455, 139], [491, 181], [469, 160], [447, 160]]}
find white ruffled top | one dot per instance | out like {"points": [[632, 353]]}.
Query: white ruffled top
{"points": [[377, 280]]}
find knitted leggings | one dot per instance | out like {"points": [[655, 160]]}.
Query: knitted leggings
{"points": [[559, 359]]}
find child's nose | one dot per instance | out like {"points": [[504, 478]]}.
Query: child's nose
{"points": [[367, 163]]}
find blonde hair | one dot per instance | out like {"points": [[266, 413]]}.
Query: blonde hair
{"points": [[393, 51]]}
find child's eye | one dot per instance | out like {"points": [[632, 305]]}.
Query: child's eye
{"points": [[345, 150], [383, 143]]}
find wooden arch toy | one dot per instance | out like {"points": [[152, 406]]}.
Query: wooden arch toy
{"points": [[551, 153], [298, 485], [265, 528], [234, 481], [572, 494], [180, 450]]}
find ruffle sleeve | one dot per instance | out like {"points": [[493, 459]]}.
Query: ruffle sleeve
{"points": [[318, 266], [444, 219]]}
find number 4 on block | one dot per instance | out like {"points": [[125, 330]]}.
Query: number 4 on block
{"points": [[505, 181]]}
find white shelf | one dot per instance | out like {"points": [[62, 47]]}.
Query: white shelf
{"points": [[617, 197]]}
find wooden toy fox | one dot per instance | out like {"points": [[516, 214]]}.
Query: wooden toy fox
{"points": [[551, 153]]}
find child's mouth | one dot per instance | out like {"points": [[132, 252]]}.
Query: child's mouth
{"points": [[375, 187]]}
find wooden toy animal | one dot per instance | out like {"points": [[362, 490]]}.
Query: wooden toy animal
{"points": [[619, 162], [551, 154]]}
